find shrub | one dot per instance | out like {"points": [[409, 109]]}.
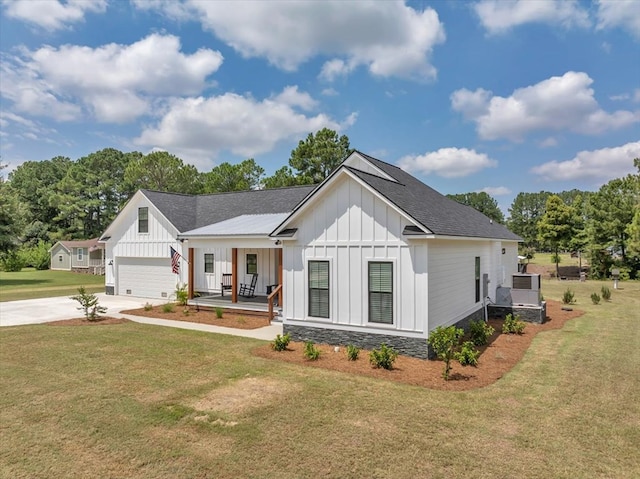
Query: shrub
{"points": [[595, 298], [89, 304], [444, 342], [512, 325], [568, 297], [468, 355], [606, 293], [36, 256], [167, 308], [182, 295], [12, 262], [219, 312], [281, 342], [311, 352], [186, 311], [352, 352], [480, 332], [148, 306], [383, 357]]}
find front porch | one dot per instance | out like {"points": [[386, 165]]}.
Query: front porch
{"points": [[257, 303]]}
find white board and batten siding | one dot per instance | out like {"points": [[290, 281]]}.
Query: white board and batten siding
{"points": [[348, 226], [127, 248]]}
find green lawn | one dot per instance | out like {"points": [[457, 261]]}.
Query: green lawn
{"points": [[30, 283], [138, 401]]}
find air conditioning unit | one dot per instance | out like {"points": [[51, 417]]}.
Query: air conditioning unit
{"points": [[526, 289]]}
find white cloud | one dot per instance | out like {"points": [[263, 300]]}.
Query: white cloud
{"points": [[636, 95], [202, 127], [598, 165], [115, 83], [329, 92], [499, 16], [548, 142], [619, 13], [448, 162], [52, 14], [558, 103], [495, 190], [292, 97], [389, 38]]}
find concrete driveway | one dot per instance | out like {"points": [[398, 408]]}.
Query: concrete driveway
{"points": [[43, 310]]}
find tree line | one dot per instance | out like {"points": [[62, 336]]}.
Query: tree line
{"points": [[59, 199]]}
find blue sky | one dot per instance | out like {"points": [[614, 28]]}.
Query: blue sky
{"points": [[497, 96]]}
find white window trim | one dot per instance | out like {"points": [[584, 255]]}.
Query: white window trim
{"points": [[365, 282], [60, 258], [332, 289], [138, 221], [204, 257], [80, 254]]}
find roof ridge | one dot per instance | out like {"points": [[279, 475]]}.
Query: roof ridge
{"points": [[394, 181]]}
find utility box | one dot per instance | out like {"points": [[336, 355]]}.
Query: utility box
{"points": [[526, 289]]}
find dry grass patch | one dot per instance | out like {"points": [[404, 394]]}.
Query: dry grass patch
{"points": [[243, 395]]}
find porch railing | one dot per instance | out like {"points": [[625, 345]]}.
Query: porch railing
{"points": [[96, 262], [273, 294]]}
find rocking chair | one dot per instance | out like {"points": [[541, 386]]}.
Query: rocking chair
{"points": [[247, 290]]}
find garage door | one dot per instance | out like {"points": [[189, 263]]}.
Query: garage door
{"points": [[145, 277]]}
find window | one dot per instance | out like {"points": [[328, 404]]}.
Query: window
{"points": [[252, 263], [80, 254], [208, 263], [477, 278], [319, 289], [143, 220], [381, 292], [60, 258]]}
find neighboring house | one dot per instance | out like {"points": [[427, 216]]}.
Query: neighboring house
{"points": [[371, 255], [85, 256]]}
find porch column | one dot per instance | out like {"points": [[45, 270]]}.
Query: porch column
{"points": [[280, 276], [234, 275], [191, 275]]}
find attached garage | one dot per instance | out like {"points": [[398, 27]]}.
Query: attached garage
{"points": [[145, 277]]}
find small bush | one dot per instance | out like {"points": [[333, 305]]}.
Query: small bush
{"points": [[12, 262], [89, 304], [480, 332], [167, 308], [352, 352], [219, 312], [606, 293], [595, 298], [186, 311], [311, 352], [182, 295], [148, 307], [512, 325], [383, 357], [281, 342], [568, 297], [468, 355], [444, 342]]}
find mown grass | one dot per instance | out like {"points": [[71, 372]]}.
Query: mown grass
{"points": [[30, 283], [134, 401]]}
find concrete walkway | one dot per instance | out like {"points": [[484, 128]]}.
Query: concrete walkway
{"points": [[44, 310]]}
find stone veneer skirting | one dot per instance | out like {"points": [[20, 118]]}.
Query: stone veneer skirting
{"points": [[408, 346], [110, 290], [531, 314]]}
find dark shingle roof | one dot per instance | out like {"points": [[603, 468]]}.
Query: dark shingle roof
{"points": [[434, 211], [187, 212]]}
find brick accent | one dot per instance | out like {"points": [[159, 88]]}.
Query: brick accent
{"points": [[408, 346], [531, 314]]}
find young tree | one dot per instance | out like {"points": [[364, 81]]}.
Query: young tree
{"points": [[162, 171], [555, 227], [317, 156], [10, 216], [482, 202], [239, 177]]}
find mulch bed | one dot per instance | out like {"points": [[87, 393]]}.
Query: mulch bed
{"points": [[497, 358], [83, 322], [502, 353], [230, 318]]}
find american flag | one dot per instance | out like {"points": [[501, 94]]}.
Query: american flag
{"points": [[175, 260]]}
